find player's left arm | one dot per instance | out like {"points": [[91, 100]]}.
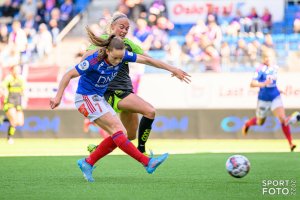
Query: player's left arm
{"points": [[180, 74]]}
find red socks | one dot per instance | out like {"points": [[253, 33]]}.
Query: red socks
{"points": [[251, 122], [125, 145], [287, 132], [104, 148], [110, 143]]}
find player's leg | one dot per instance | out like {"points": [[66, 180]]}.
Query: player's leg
{"points": [[20, 117], [134, 104], [11, 114], [130, 122], [112, 125], [279, 112], [107, 120], [261, 114]]}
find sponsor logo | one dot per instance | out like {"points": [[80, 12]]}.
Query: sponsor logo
{"points": [[84, 65], [279, 187]]}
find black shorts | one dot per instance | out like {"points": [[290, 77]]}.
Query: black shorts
{"points": [[114, 96], [13, 102]]}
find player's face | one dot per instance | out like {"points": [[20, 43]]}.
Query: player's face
{"points": [[267, 61], [16, 70], [115, 56], [120, 27]]}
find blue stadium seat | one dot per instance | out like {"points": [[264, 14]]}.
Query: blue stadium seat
{"points": [[293, 41], [179, 38]]}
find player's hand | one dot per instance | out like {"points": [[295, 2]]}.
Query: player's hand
{"points": [[54, 102], [181, 75], [268, 82]]}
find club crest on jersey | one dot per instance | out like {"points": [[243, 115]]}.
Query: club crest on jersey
{"points": [[83, 65], [100, 65]]}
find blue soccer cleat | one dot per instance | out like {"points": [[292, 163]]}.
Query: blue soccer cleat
{"points": [[294, 118], [155, 162], [86, 169]]}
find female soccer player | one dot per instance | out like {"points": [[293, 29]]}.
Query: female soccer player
{"points": [[120, 90], [14, 86], [97, 69], [268, 99]]}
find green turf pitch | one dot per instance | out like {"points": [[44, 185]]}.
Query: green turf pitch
{"points": [[184, 177]]}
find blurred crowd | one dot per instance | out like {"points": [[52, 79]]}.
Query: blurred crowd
{"points": [[220, 42], [29, 28], [223, 41]]}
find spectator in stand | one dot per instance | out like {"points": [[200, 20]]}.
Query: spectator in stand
{"points": [[210, 55], [159, 7], [225, 19], [267, 49], [137, 9], [225, 53], [7, 10], [123, 8], [44, 41], [186, 48], [30, 22], [164, 23], [66, 12], [53, 26], [241, 52], [49, 6], [30, 27], [214, 32], [9, 56], [18, 39], [143, 32], [27, 7], [3, 34], [211, 10], [297, 22], [255, 20], [198, 29], [160, 36], [41, 12], [266, 20]]}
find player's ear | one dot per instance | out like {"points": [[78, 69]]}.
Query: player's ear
{"points": [[107, 51]]}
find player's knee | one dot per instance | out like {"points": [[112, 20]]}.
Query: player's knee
{"points": [[13, 123], [260, 122], [282, 120], [150, 112], [131, 136]]}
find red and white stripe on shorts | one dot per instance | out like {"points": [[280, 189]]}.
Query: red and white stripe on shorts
{"points": [[89, 103]]}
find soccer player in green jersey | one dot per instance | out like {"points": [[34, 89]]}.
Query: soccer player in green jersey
{"points": [[13, 83], [120, 91]]}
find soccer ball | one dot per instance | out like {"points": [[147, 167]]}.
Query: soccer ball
{"points": [[238, 166]]}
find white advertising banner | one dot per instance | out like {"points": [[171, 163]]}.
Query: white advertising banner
{"points": [[213, 91], [189, 11]]}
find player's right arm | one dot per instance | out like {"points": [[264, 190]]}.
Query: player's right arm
{"points": [[73, 73], [255, 81], [4, 85], [78, 70]]}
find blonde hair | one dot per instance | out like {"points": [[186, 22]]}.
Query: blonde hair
{"points": [[112, 42], [115, 17]]}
